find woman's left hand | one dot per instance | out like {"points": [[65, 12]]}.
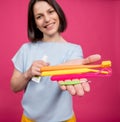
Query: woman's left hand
{"points": [[82, 87]]}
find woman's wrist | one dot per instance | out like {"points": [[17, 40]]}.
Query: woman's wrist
{"points": [[27, 76]]}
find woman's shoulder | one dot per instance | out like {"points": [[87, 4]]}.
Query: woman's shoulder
{"points": [[28, 45], [73, 45]]}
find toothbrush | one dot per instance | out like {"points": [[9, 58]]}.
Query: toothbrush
{"points": [[104, 64], [78, 76], [71, 71]]}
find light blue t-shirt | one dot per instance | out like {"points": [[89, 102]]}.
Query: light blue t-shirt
{"points": [[45, 101]]}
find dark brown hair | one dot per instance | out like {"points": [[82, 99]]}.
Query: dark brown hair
{"points": [[34, 34]]}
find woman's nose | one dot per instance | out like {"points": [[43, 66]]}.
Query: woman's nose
{"points": [[47, 18]]}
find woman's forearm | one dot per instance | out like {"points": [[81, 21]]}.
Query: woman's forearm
{"points": [[19, 81]]}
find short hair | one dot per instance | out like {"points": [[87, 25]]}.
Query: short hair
{"points": [[34, 34]]}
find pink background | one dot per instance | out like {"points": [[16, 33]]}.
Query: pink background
{"points": [[95, 25]]}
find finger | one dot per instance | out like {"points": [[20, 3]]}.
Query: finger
{"points": [[79, 89], [62, 86], [71, 89], [86, 86], [88, 60], [91, 59], [41, 63], [83, 80], [45, 63], [35, 71]]}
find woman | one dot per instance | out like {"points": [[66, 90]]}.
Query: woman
{"points": [[46, 101]]}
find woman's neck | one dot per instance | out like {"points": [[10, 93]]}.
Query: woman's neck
{"points": [[55, 38]]}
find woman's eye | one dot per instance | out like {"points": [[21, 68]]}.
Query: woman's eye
{"points": [[51, 11], [38, 17]]}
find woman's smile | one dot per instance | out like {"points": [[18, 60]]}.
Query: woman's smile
{"points": [[49, 26]]}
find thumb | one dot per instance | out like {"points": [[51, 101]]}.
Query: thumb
{"points": [[91, 59]]}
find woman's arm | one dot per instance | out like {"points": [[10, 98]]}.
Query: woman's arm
{"points": [[20, 80]]}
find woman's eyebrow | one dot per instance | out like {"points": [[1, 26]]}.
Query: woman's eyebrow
{"points": [[37, 14]]}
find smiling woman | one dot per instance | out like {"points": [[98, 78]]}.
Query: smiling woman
{"points": [[94, 24], [46, 21]]}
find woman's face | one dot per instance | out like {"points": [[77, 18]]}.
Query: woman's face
{"points": [[46, 18]]}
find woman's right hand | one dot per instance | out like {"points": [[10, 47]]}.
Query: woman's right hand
{"points": [[34, 70]]}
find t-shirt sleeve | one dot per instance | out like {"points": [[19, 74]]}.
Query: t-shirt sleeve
{"points": [[18, 59], [75, 53]]}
